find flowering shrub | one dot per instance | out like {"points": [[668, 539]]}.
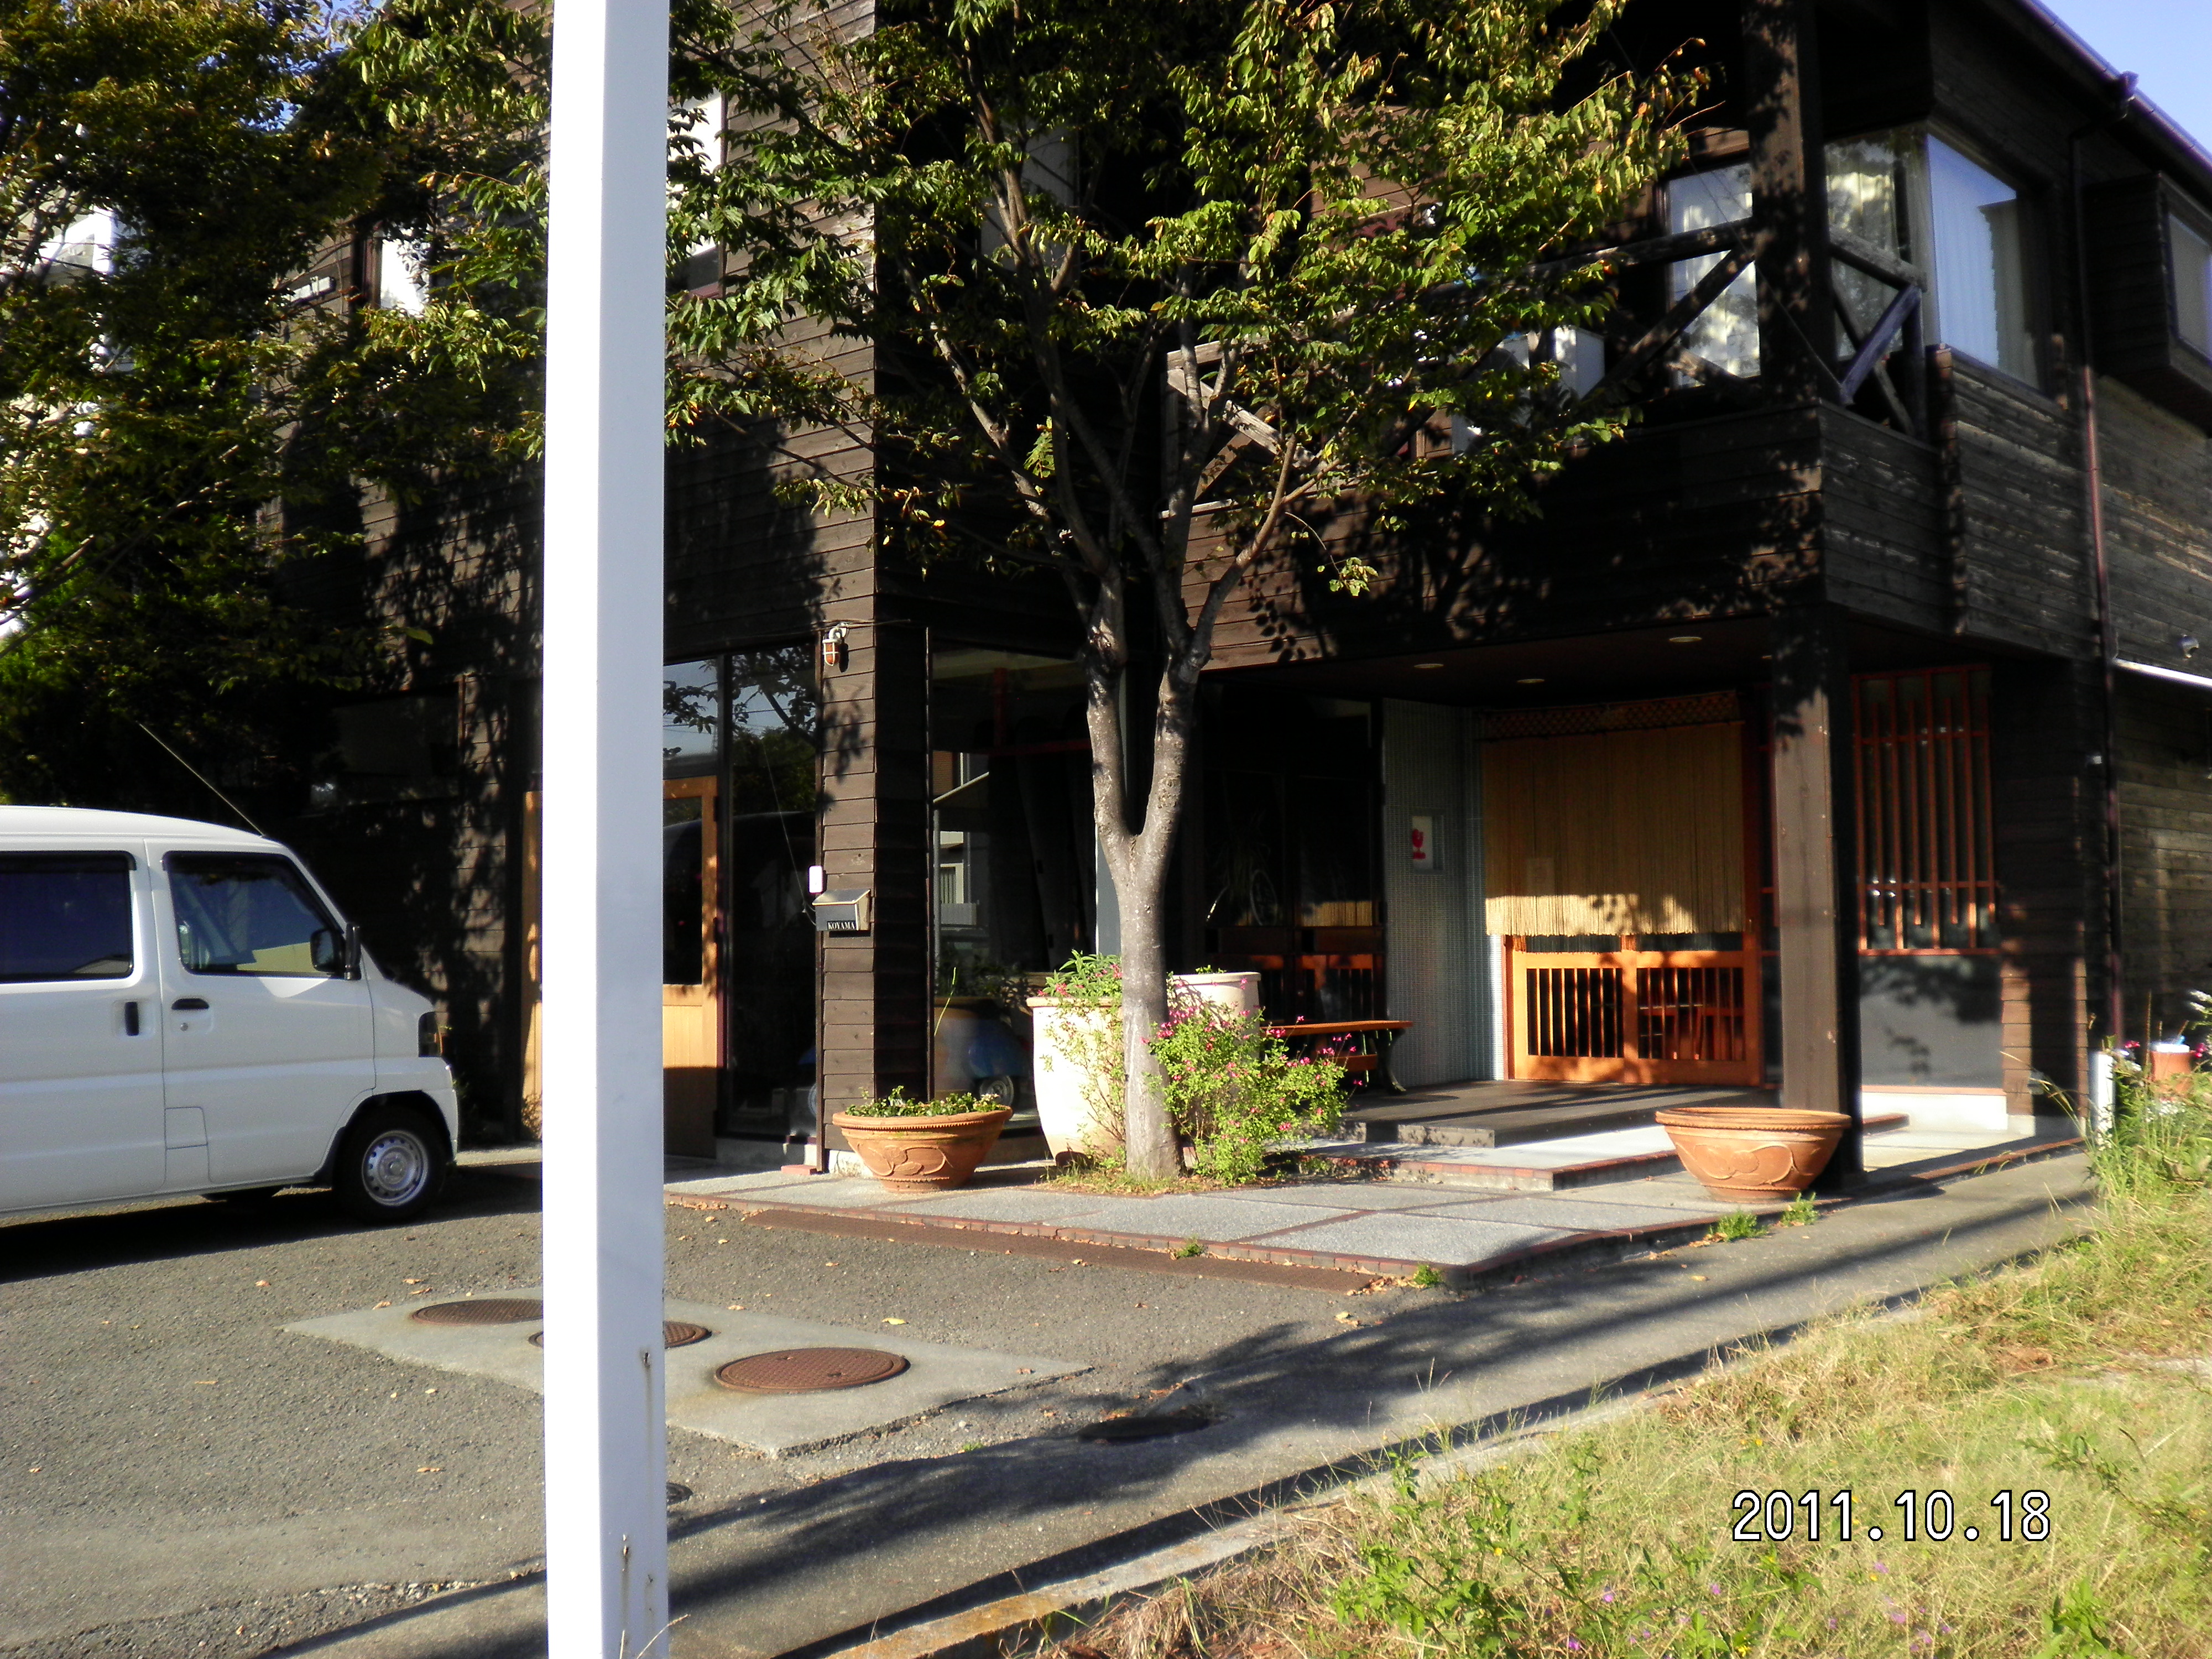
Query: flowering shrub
{"points": [[1087, 979], [1235, 1088]]}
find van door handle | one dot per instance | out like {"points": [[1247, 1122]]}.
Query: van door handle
{"points": [[190, 1005], [130, 1019]]}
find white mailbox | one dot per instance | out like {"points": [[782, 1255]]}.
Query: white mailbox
{"points": [[841, 910]]}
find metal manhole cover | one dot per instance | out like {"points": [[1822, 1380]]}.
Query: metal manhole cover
{"points": [[809, 1370], [1117, 1429], [674, 1333], [482, 1311]]}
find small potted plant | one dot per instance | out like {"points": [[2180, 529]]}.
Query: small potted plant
{"points": [[923, 1146]]}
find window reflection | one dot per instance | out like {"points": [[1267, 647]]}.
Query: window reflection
{"points": [[1726, 333], [1868, 198], [1980, 299], [2193, 284]]}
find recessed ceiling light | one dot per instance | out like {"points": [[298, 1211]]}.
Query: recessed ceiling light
{"points": [[1428, 664], [1684, 639], [1537, 679]]}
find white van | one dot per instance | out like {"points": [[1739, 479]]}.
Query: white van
{"points": [[183, 1010]]}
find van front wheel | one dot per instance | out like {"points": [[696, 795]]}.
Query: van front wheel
{"points": [[391, 1166]]}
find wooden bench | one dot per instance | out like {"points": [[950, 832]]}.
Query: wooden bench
{"points": [[1371, 1059]]}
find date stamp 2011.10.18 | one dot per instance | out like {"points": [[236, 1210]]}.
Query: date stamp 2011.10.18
{"points": [[1776, 1517]]}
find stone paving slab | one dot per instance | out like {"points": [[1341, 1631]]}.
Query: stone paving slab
{"points": [[938, 1374], [1569, 1213], [1360, 1195], [1005, 1204], [1418, 1238]]}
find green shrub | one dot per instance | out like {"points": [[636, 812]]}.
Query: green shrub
{"points": [[1087, 979], [896, 1104], [2161, 1142]]}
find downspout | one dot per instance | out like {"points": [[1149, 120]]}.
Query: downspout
{"points": [[2108, 644]]}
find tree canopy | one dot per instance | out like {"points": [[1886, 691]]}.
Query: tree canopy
{"points": [[1163, 290]]}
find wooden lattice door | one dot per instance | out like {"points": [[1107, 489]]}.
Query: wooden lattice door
{"points": [[1630, 1015]]}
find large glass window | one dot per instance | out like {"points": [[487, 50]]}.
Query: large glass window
{"points": [[1868, 204], [1011, 786], [251, 914], [1726, 334], [64, 915], [2192, 283], [690, 747], [1980, 289], [768, 969]]}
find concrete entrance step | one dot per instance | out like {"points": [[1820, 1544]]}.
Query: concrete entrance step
{"points": [[1557, 1163], [1497, 1128], [1512, 1114]]}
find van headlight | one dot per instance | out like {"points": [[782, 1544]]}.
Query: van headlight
{"points": [[430, 1035]]}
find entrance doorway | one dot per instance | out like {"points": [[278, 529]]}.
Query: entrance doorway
{"points": [[691, 965], [1291, 887]]}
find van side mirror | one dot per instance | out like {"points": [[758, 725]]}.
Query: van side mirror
{"points": [[352, 951]]}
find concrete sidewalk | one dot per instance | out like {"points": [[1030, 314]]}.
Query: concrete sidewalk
{"points": [[810, 1569], [1463, 1234]]}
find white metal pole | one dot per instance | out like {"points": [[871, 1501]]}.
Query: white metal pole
{"points": [[606, 1518]]}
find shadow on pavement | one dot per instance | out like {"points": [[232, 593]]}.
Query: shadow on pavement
{"points": [[1292, 1413], [158, 1229]]}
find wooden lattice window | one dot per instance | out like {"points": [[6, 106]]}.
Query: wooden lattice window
{"points": [[1926, 854], [1574, 1013], [1690, 1014]]}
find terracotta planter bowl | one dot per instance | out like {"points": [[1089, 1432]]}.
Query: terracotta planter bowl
{"points": [[1753, 1152], [923, 1154]]}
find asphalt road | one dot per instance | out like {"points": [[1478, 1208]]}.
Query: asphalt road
{"points": [[179, 1476]]}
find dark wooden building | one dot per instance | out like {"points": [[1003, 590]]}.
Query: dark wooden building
{"points": [[1843, 728]]}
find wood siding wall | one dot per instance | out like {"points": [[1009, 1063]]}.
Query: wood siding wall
{"points": [[2026, 581], [434, 879], [1882, 540], [2165, 852], [2158, 527], [2046, 807]]}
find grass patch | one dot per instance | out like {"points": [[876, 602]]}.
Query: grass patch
{"points": [[1734, 1227], [2077, 1376]]}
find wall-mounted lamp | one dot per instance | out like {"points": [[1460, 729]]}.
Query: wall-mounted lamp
{"points": [[2188, 644], [833, 649]]}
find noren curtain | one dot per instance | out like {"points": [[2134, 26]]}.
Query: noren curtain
{"points": [[1618, 832]]}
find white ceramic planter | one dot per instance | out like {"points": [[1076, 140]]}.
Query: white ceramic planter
{"points": [[1238, 991], [1074, 1105]]}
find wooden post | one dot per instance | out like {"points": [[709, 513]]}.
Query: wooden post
{"points": [[1788, 196], [1815, 866]]}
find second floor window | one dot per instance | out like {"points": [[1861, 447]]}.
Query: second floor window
{"points": [[1726, 333], [2192, 283], [1980, 289]]}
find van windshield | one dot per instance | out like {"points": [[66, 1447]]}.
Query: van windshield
{"points": [[244, 913]]}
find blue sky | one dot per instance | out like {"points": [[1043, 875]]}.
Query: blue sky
{"points": [[2168, 42]]}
